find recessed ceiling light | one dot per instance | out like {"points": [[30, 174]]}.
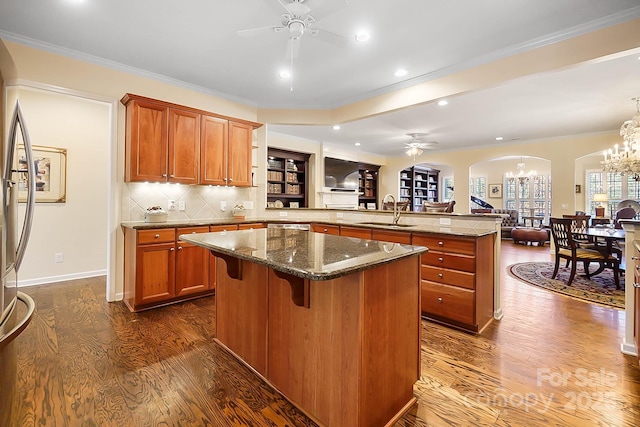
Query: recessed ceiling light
{"points": [[499, 138], [357, 144], [362, 36], [400, 72], [284, 74], [443, 102], [336, 127]]}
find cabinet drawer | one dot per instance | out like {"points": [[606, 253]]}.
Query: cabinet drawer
{"points": [[362, 233], [446, 260], [327, 229], [190, 230], [448, 276], [229, 227], [391, 236], [252, 226], [158, 235], [456, 245], [449, 302]]}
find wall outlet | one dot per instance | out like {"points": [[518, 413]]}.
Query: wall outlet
{"points": [[564, 206], [339, 215], [171, 205], [182, 205], [59, 257], [223, 206], [248, 204], [283, 214], [445, 221]]}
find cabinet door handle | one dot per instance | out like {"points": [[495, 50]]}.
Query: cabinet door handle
{"points": [[440, 243], [635, 258], [440, 259], [440, 300], [325, 230], [636, 285], [230, 179], [164, 175], [172, 249], [157, 236], [179, 248], [440, 275]]}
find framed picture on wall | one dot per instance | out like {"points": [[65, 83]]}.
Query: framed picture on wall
{"points": [[495, 191], [51, 174]]}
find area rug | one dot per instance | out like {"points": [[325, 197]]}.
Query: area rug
{"points": [[600, 289]]}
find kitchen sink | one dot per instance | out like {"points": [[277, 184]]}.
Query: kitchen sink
{"points": [[386, 224]]}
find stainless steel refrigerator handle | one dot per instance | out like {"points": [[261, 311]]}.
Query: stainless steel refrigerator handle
{"points": [[31, 308], [31, 190]]}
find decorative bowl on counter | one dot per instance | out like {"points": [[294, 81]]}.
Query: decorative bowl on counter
{"points": [[155, 214]]}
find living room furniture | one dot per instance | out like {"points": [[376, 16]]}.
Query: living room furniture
{"points": [[567, 248], [509, 219], [419, 184], [623, 213], [529, 235]]}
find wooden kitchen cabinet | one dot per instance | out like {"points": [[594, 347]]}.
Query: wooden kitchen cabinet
{"points": [[239, 154], [213, 281], [184, 146], [362, 233], [457, 279], [391, 236], [167, 142], [636, 290], [147, 140], [192, 264], [327, 229], [159, 270]]}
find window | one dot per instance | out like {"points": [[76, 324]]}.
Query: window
{"points": [[478, 187], [447, 192], [618, 188], [531, 197]]}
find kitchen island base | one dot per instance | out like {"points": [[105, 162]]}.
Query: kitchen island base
{"points": [[346, 351]]}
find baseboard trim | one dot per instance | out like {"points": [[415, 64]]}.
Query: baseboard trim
{"points": [[629, 349], [62, 278]]}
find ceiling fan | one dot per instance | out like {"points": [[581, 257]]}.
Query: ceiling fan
{"points": [[296, 21], [417, 144]]}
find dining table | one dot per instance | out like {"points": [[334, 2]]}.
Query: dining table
{"points": [[610, 236]]}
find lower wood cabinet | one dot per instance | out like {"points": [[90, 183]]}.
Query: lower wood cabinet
{"points": [[159, 269], [636, 290], [457, 279], [361, 233], [325, 228]]}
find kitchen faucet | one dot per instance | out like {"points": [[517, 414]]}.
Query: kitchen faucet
{"points": [[396, 212]]}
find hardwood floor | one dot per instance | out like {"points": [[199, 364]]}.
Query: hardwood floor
{"points": [[551, 360]]}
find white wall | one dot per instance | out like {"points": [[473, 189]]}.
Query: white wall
{"points": [[78, 227]]}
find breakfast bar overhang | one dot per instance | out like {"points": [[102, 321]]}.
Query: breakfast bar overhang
{"points": [[331, 322]]}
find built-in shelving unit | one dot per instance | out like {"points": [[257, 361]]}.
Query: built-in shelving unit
{"points": [[368, 185], [419, 184], [287, 178]]}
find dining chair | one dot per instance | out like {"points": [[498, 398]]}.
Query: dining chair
{"points": [[567, 248], [579, 223]]}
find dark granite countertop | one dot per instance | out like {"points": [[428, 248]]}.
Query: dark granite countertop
{"points": [[413, 228], [313, 256]]}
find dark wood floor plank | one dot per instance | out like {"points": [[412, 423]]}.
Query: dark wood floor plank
{"points": [[84, 361]]}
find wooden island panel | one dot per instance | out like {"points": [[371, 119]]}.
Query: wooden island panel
{"points": [[351, 358]]}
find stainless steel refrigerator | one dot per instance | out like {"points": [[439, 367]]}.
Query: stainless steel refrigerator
{"points": [[16, 307]]}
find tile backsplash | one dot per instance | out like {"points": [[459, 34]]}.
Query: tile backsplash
{"points": [[201, 202]]}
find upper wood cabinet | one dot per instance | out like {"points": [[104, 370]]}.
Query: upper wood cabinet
{"points": [[184, 146], [147, 141], [171, 143]]}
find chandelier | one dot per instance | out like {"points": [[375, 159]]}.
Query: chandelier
{"points": [[521, 176], [413, 151], [626, 160]]}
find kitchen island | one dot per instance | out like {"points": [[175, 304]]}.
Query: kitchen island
{"points": [[331, 322]]}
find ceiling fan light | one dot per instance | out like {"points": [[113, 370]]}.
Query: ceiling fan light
{"points": [[362, 36]]}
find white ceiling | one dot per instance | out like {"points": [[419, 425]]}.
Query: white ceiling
{"points": [[195, 42]]}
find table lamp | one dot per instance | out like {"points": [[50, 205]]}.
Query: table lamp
{"points": [[602, 198]]}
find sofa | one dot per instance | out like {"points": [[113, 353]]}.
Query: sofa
{"points": [[509, 220]]}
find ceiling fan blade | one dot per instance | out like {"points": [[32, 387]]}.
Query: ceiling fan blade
{"points": [[322, 8], [260, 30], [329, 37], [277, 5], [293, 48]]}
